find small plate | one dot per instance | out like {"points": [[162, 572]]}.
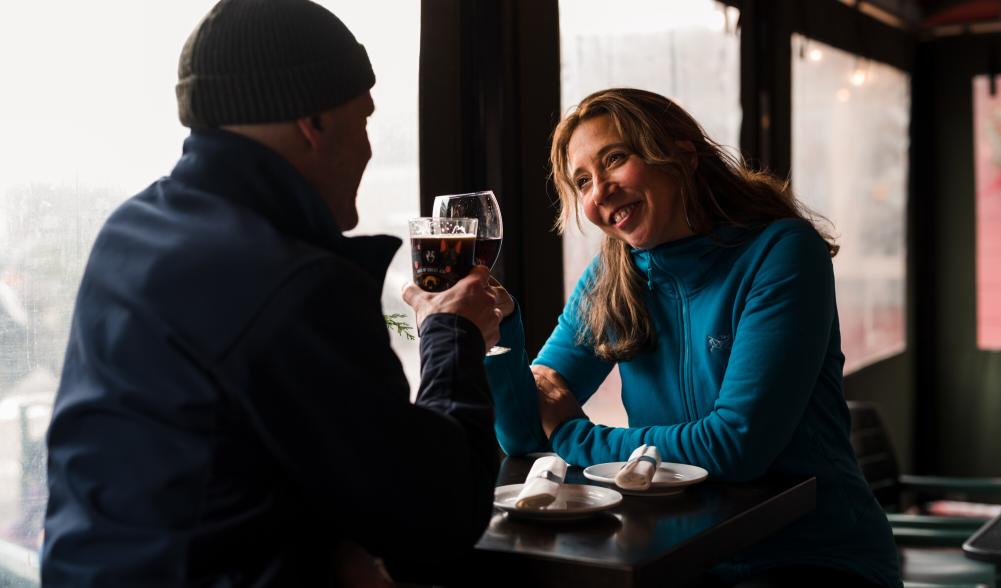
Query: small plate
{"points": [[670, 478], [574, 501]]}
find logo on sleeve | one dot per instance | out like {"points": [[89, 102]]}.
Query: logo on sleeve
{"points": [[720, 342]]}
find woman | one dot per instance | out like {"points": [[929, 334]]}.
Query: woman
{"points": [[714, 294]]}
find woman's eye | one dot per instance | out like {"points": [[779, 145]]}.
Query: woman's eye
{"points": [[615, 157], [581, 182]]}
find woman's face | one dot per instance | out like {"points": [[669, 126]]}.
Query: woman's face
{"points": [[626, 198]]}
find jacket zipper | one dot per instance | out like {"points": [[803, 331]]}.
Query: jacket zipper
{"points": [[686, 368], [686, 393]]}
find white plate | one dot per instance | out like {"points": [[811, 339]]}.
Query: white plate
{"points": [[574, 501], [670, 478]]}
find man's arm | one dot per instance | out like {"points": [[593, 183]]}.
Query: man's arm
{"points": [[454, 384], [329, 398]]}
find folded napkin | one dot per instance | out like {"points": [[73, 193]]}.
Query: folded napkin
{"points": [[543, 483], [639, 470]]}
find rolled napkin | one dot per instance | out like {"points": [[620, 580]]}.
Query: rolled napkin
{"points": [[542, 483], [638, 472]]}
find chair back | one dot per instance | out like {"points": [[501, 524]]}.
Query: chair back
{"points": [[875, 454]]}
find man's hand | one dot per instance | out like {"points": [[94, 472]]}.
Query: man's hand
{"points": [[556, 403], [471, 297]]}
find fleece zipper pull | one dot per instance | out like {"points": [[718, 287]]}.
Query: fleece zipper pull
{"points": [[649, 278]]}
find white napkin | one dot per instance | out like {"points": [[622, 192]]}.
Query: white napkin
{"points": [[543, 483], [639, 470]]}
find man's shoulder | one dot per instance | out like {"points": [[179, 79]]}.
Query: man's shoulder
{"points": [[201, 266], [171, 234]]}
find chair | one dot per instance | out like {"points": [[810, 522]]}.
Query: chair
{"points": [[929, 545]]}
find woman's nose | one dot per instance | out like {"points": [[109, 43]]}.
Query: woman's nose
{"points": [[601, 188]]}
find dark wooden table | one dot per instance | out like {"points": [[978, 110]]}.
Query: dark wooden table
{"points": [[985, 544], [644, 541]]}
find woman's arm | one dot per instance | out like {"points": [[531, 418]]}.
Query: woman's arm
{"points": [[514, 387], [516, 408], [780, 345]]}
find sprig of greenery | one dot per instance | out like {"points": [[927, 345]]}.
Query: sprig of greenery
{"points": [[395, 321]]}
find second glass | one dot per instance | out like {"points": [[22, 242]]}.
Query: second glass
{"points": [[489, 234], [483, 207]]}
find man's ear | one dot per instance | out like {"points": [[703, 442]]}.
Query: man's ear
{"points": [[311, 128]]}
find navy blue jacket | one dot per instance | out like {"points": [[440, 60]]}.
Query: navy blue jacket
{"points": [[230, 407]]}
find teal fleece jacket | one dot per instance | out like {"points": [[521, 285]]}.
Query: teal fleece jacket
{"points": [[744, 378]]}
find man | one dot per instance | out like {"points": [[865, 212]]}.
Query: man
{"points": [[230, 411]]}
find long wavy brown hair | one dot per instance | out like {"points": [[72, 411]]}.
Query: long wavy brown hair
{"points": [[716, 189]]}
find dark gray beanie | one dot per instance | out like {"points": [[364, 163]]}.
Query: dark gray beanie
{"points": [[261, 61]]}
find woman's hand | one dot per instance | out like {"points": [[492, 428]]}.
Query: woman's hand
{"points": [[504, 301], [556, 404]]}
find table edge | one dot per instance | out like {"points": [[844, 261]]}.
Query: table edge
{"points": [[977, 553]]}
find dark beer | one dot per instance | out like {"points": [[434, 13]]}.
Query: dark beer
{"points": [[441, 260]]}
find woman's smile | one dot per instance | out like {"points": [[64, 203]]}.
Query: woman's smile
{"points": [[623, 214], [621, 194]]}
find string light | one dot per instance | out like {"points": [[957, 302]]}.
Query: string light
{"points": [[859, 74], [815, 54]]}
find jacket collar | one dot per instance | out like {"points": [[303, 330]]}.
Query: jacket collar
{"points": [[251, 175], [687, 262]]}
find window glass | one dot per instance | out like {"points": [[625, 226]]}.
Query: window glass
{"points": [[89, 118], [390, 189], [850, 120], [987, 159], [687, 50]]}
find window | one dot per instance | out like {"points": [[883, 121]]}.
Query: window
{"points": [[89, 118], [686, 50], [389, 193], [987, 162], [850, 119]]}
